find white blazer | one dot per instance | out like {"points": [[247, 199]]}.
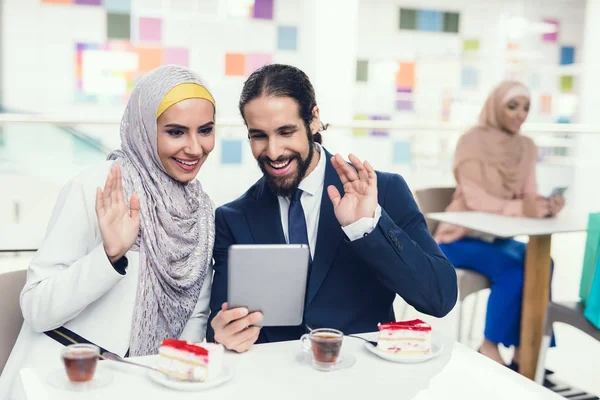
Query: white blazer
{"points": [[71, 282]]}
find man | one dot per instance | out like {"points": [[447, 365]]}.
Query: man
{"points": [[367, 237]]}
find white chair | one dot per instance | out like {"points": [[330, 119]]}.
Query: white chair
{"points": [[469, 282], [567, 313], [11, 284]]}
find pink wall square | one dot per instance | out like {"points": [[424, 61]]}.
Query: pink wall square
{"points": [[150, 29], [255, 61], [177, 56], [551, 37]]}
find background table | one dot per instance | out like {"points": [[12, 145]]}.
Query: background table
{"points": [[537, 266], [272, 371], [21, 237]]}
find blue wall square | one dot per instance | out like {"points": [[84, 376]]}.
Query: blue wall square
{"points": [[430, 21], [231, 151], [402, 152], [469, 78], [118, 6], [287, 38], [567, 55]]}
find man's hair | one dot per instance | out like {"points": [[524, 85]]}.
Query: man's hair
{"points": [[281, 80]]}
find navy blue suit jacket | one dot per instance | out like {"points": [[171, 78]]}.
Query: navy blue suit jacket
{"points": [[352, 284]]}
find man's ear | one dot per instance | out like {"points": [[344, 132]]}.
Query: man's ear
{"points": [[315, 124]]}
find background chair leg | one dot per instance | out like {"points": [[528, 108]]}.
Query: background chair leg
{"points": [[473, 314], [541, 365], [459, 328]]}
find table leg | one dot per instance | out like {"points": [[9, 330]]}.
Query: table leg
{"points": [[536, 293]]}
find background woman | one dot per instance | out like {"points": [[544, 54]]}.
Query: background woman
{"points": [[495, 171]]}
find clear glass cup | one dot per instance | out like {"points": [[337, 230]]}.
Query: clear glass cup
{"points": [[80, 362], [325, 344]]}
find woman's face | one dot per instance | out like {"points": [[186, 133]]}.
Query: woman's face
{"points": [[186, 137], [514, 113]]}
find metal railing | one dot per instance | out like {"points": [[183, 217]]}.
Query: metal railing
{"points": [[539, 128]]}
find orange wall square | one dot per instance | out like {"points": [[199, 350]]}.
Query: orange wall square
{"points": [[149, 58], [546, 104], [235, 64], [405, 76]]}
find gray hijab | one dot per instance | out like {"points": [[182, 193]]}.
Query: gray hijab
{"points": [[177, 229]]}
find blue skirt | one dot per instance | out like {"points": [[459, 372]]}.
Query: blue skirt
{"points": [[503, 262]]}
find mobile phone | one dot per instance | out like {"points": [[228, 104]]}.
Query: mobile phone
{"points": [[558, 191]]}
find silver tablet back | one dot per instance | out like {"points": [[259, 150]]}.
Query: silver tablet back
{"points": [[271, 279]]}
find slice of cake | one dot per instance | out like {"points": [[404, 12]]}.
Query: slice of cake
{"points": [[193, 361], [405, 337]]}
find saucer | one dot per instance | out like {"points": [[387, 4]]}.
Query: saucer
{"points": [[163, 380], [344, 361], [59, 379], [436, 349]]}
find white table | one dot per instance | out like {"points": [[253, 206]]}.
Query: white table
{"points": [[271, 371], [21, 237], [537, 266]]}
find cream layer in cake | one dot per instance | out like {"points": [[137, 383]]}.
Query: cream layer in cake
{"points": [[405, 337], [194, 361]]}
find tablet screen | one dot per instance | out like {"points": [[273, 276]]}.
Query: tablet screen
{"points": [[271, 279]]}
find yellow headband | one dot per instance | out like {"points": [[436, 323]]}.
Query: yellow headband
{"points": [[183, 92]]}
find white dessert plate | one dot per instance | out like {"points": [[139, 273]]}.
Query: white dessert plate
{"points": [[163, 380], [436, 349]]}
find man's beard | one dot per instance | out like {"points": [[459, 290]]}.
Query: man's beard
{"points": [[284, 186]]}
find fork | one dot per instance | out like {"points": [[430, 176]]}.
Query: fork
{"points": [[374, 344], [114, 357], [354, 336]]}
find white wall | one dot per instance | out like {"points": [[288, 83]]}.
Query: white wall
{"points": [[439, 56], [40, 35], [39, 44], [1, 51], [39, 66], [439, 59]]}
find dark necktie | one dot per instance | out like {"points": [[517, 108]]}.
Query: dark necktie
{"points": [[297, 232]]}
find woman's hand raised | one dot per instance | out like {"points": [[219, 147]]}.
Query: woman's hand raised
{"points": [[119, 226]]}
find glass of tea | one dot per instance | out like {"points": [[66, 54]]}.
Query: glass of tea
{"points": [[325, 344], [80, 361]]}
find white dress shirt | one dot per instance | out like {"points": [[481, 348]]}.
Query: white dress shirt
{"points": [[312, 187]]}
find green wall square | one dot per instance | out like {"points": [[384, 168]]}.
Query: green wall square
{"points": [[451, 22], [362, 70], [118, 26], [408, 18], [566, 83], [471, 45]]}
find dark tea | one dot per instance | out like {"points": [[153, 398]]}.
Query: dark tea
{"points": [[80, 362], [326, 347]]}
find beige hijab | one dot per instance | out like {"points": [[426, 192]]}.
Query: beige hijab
{"points": [[505, 158], [489, 144]]}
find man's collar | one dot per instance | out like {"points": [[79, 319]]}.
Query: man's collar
{"points": [[313, 183]]}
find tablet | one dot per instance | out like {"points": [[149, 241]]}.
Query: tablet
{"points": [[270, 279]]}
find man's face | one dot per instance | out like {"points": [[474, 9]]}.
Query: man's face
{"points": [[280, 141]]}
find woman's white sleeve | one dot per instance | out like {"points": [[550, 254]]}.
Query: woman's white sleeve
{"points": [[71, 269]]}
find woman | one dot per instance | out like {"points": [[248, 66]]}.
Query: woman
{"points": [[125, 275], [494, 167]]}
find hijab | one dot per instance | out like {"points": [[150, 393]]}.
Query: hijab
{"points": [[489, 144], [177, 230]]}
